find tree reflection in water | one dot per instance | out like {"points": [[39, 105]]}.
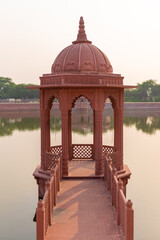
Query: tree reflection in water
{"points": [[147, 125], [82, 122]]}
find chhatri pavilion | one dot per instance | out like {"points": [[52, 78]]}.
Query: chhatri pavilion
{"points": [[81, 70]]}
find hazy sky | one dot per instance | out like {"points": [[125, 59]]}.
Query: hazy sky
{"points": [[33, 32]]}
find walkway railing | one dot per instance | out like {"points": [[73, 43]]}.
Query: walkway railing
{"points": [[79, 151], [56, 149], [124, 210], [52, 156], [108, 149], [45, 206]]}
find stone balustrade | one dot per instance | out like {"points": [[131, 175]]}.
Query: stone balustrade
{"points": [[79, 151], [124, 210], [82, 151], [45, 206]]}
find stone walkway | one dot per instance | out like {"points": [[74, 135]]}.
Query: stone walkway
{"points": [[84, 211], [82, 168]]}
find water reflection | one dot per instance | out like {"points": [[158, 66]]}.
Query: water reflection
{"points": [[21, 153], [82, 122], [147, 125], [8, 125]]}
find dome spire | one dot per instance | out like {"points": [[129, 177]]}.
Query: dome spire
{"points": [[81, 37]]}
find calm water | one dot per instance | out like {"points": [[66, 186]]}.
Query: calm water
{"points": [[20, 153]]}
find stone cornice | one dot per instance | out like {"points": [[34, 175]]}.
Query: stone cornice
{"points": [[81, 80]]}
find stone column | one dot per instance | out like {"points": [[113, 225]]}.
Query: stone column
{"points": [[43, 129], [48, 144], [118, 133], [70, 134], [98, 142], [65, 142], [94, 135], [45, 137]]}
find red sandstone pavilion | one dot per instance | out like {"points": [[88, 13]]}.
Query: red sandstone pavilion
{"points": [[82, 69]]}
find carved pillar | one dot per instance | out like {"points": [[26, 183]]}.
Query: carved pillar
{"points": [[70, 134], [98, 142], [118, 131], [43, 129], [43, 139], [94, 135], [45, 136], [65, 143], [45, 143], [64, 106], [48, 130]]}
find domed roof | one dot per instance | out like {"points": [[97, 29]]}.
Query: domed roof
{"points": [[81, 57]]}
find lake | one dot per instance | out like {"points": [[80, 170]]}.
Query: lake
{"points": [[20, 153]]}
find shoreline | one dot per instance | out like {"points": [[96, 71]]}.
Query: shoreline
{"points": [[28, 110], [128, 106]]}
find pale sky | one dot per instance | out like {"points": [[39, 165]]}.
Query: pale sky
{"points": [[33, 32]]}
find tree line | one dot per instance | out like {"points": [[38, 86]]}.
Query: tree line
{"points": [[148, 91], [9, 89]]}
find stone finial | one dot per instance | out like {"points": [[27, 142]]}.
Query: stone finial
{"points": [[81, 37], [129, 204], [120, 184], [110, 161], [47, 184], [114, 171], [40, 204]]}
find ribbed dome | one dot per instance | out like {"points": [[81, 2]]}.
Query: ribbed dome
{"points": [[81, 57]]}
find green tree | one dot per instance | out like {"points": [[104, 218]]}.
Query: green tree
{"points": [[21, 92], [9, 89], [148, 91]]}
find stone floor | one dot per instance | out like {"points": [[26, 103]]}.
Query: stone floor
{"points": [[81, 168], [84, 210]]}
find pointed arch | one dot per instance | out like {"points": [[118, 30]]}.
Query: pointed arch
{"points": [[50, 95]]}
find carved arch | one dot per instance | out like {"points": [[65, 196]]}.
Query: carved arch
{"points": [[114, 97], [88, 95], [74, 101], [50, 95]]}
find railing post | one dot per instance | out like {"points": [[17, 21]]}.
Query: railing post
{"points": [[105, 168], [58, 174], [57, 184], [55, 200], [48, 187], [54, 186], [40, 219], [54, 191], [60, 167], [109, 174], [129, 224], [114, 173], [120, 187]]}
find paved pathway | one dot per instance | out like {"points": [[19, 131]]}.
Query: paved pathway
{"points": [[84, 211], [81, 168]]}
